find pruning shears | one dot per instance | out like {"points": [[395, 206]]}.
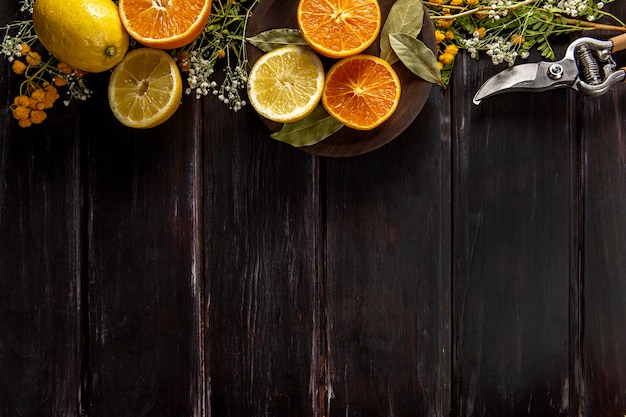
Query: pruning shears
{"points": [[588, 67]]}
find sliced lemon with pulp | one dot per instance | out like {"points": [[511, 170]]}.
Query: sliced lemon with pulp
{"points": [[286, 84], [145, 89]]}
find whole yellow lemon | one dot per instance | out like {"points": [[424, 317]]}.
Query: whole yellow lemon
{"points": [[86, 34]]}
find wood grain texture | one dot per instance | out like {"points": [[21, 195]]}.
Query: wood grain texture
{"points": [[604, 265], [388, 273], [143, 263], [40, 263], [474, 266], [262, 257], [511, 246], [601, 134]]}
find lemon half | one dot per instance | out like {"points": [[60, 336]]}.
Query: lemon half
{"points": [[286, 84], [145, 89]]}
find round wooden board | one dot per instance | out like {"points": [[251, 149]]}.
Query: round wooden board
{"points": [[277, 14]]}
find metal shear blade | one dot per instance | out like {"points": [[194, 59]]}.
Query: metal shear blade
{"points": [[529, 77], [587, 67]]}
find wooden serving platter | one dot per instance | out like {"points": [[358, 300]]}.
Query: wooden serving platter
{"points": [[276, 14]]}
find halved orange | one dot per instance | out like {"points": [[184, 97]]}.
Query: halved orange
{"points": [[164, 24], [361, 91], [339, 28]]}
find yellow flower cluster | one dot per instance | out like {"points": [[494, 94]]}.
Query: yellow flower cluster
{"points": [[444, 35], [30, 109], [36, 95]]}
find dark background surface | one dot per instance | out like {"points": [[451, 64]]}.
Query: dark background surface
{"points": [[475, 266]]}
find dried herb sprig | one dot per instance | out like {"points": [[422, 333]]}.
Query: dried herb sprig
{"points": [[222, 41], [506, 30]]}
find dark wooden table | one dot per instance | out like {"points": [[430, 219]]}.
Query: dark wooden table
{"points": [[475, 266]]}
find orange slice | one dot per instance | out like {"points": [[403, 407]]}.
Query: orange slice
{"points": [[164, 24], [339, 28], [145, 89], [361, 91]]}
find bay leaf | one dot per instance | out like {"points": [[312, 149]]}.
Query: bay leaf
{"points": [[416, 56], [275, 38], [314, 128], [405, 16]]}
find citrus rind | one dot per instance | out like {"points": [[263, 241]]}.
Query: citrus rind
{"points": [[361, 91], [339, 29], [145, 89], [285, 85], [87, 36], [164, 24]]}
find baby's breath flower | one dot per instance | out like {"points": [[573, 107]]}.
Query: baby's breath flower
{"points": [[221, 45], [505, 30], [27, 6]]}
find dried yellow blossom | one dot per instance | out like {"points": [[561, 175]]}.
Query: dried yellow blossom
{"points": [[446, 58], [480, 32], [19, 67], [21, 101], [33, 58], [21, 112], [517, 39], [38, 116], [24, 48], [59, 81], [25, 123], [451, 49], [64, 68]]}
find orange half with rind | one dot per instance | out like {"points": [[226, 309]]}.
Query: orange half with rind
{"points": [[164, 24], [361, 91], [339, 28]]}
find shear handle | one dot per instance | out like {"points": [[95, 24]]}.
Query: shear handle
{"points": [[619, 42]]}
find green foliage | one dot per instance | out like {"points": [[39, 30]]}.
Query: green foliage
{"points": [[507, 30]]}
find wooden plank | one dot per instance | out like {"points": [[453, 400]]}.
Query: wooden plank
{"points": [[388, 274], [603, 343], [262, 241], [40, 260], [144, 267], [511, 249]]}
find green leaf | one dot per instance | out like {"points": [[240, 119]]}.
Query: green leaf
{"points": [[275, 38], [405, 16], [314, 128], [416, 56]]}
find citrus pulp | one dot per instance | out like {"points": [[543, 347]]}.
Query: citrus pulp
{"points": [[285, 84], [165, 24], [339, 28], [145, 89], [361, 91]]}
